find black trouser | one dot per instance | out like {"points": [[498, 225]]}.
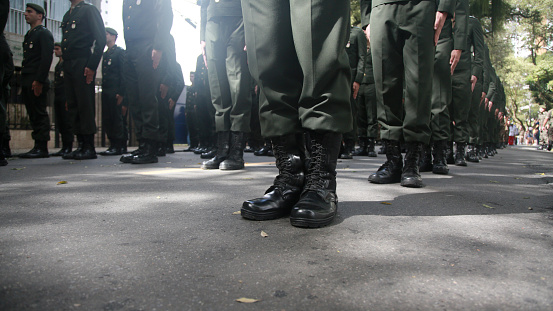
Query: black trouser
{"points": [[206, 119], [62, 118], [367, 122], [4, 57], [142, 86], [80, 97], [163, 108], [171, 124], [475, 118], [112, 118], [192, 124], [36, 107]]}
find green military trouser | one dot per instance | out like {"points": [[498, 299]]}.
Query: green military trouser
{"points": [[403, 50], [296, 52], [482, 119], [474, 119], [441, 85], [351, 136], [460, 105], [112, 117], [81, 103], [229, 78], [367, 118], [36, 107], [62, 117]]}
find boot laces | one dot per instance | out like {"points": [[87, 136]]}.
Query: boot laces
{"points": [[314, 176]]}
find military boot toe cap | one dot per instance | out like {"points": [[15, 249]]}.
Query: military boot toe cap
{"points": [[316, 208]]}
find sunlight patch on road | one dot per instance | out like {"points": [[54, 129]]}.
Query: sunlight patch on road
{"points": [[171, 170]]}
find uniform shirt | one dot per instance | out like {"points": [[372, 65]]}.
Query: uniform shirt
{"points": [[37, 53], [58, 79], [367, 5], [368, 77], [83, 28], [478, 50], [148, 20], [112, 70], [211, 9], [356, 49]]}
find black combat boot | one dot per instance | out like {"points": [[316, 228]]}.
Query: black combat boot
{"points": [[460, 154], [390, 171], [549, 146], [66, 148], [439, 162], [114, 149], [209, 152], [347, 150], [235, 159], [471, 154], [363, 147], [279, 199], [161, 149], [318, 203], [40, 150], [425, 163], [71, 155], [223, 147], [3, 161], [6, 148], [382, 148], [123, 146], [449, 155], [148, 154], [489, 149], [410, 177], [127, 158], [263, 151], [88, 152], [370, 148], [479, 152]]}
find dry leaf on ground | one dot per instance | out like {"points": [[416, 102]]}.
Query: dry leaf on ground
{"points": [[236, 213], [264, 234], [247, 300], [486, 205], [62, 182], [386, 203]]}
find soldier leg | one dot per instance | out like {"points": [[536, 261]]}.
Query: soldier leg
{"points": [[461, 102], [38, 116], [372, 119]]}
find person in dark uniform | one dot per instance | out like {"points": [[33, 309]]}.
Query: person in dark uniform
{"points": [[404, 34], [356, 49], [63, 122], [6, 93], [4, 58], [37, 58], [173, 95], [191, 115], [84, 39], [205, 112], [147, 36], [113, 93], [296, 54], [165, 74], [222, 41]]}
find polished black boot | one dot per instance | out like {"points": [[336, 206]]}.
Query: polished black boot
{"points": [[6, 148], [3, 161], [439, 162], [263, 151], [161, 149], [370, 148], [113, 150], [490, 152], [425, 163], [460, 154], [40, 150], [209, 152], [66, 148], [410, 177], [88, 152], [363, 147], [235, 159], [169, 148], [127, 158], [318, 203], [479, 152], [347, 150], [449, 156], [471, 154], [288, 185], [390, 171], [148, 154], [223, 147], [382, 148], [71, 155]]}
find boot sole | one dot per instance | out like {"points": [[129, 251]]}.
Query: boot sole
{"points": [[145, 162], [262, 216], [311, 223], [384, 181], [230, 167], [412, 184]]}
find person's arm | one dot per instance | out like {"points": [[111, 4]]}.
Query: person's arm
{"points": [[96, 25], [46, 56]]}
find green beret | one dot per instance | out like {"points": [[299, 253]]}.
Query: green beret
{"points": [[37, 8], [111, 31], [57, 44]]}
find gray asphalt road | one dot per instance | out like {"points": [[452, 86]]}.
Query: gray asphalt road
{"points": [[165, 237]]}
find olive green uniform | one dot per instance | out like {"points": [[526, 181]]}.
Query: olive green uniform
{"points": [[356, 49], [204, 108], [367, 118], [222, 29], [304, 77], [63, 121], [113, 85], [174, 93], [37, 58], [478, 56], [83, 29], [403, 55]]}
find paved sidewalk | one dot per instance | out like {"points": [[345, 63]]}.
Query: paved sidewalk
{"points": [[166, 237]]}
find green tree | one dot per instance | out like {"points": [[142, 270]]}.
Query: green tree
{"points": [[355, 12]]}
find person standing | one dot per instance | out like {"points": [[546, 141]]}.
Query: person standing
{"points": [[173, 96], [63, 123], [37, 58], [84, 39], [222, 42], [367, 121], [5, 53], [113, 93], [296, 55], [191, 115], [147, 27], [404, 35], [543, 116]]}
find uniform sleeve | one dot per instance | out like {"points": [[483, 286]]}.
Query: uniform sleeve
{"points": [[479, 53], [486, 82], [203, 20], [121, 60], [176, 91], [362, 52], [46, 55], [447, 6], [164, 24], [99, 33], [170, 60], [461, 28], [366, 7]]}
